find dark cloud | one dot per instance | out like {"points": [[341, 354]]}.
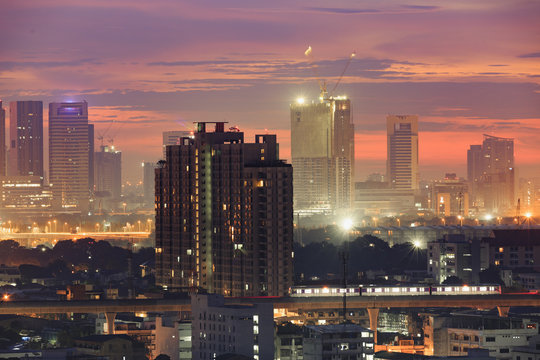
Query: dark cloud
{"points": [[420, 7], [343, 10], [530, 55]]}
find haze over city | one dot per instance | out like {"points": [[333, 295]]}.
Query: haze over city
{"points": [[465, 68]]}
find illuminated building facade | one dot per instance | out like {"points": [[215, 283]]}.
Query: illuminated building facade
{"points": [[69, 155], [224, 215], [402, 151], [322, 149], [24, 193], [3, 158], [490, 171], [26, 138], [108, 172]]}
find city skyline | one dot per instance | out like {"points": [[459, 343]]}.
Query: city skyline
{"points": [[244, 64]]}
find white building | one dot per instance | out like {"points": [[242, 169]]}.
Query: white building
{"points": [[238, 329]]}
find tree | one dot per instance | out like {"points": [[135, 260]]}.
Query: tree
{"points": [[452, 280]]}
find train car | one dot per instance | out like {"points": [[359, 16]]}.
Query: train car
{"points": [[414, 290], [312, 291], [465, 290], [395, 290]]}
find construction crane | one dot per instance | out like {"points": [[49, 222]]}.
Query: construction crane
{"points": [[101, 134], [322, 83]]}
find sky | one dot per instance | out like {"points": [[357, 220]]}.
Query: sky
{"points": [[466, 68]]}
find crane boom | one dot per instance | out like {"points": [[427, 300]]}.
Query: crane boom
{"points": [[343, 72]]}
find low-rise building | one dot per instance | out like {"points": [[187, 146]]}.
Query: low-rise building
{"points": [[341, 341], [455, 334], [288, 342]]}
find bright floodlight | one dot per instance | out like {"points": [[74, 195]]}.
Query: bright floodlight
{"points": [[489, 217], [300, 100], [347, 224], [528, 215], [416, 243]]}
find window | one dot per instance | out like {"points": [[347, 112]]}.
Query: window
{"points": [[490, 338]]}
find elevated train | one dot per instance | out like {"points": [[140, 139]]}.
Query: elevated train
{"points": [[377, 290]]}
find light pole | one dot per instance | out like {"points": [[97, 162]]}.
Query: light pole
{"points": [[54, 221], [460, 220], [346, 225], [139, 222]]}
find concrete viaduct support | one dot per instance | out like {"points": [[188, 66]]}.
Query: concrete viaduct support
{"points": [[109, 318], [373, 314], [503, 310]]}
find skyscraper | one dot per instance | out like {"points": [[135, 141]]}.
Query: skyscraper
{"points": [[173, 138], [322, 149], [402, 151], [149, 174], [224, 215], [108, 172], [490, 171], [3, 157], [26, 135], [69, 155]]}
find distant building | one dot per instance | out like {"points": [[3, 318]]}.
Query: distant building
{"points": [[26, 138], [322, 150], [343, 341], [453, 255], [22, 193], [402, 156], [375, 198], [173, 138], [224, 215], [69, 155], [219, 329], [491, 175], [149, 175], [450, 197], [108, 172], [3, 154]]}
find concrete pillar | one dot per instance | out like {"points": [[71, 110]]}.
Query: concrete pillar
{"points": [[503, 310], [373, 314], [109, 318]]}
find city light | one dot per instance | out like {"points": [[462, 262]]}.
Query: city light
{"points": [[347, 224], [300, 100]]}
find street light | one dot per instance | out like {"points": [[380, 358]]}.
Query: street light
{"points": [[460, 220], [54, 221], [139, 222]]}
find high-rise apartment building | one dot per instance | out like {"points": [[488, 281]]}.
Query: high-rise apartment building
{"points": [[322, 149], [3, 158], [26, 138], [224, 215], [402, 156], [173, 138], [108, 172], [490, 172], [69, 148]]}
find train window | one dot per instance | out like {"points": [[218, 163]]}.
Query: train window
{"points": [[396, 290]]}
